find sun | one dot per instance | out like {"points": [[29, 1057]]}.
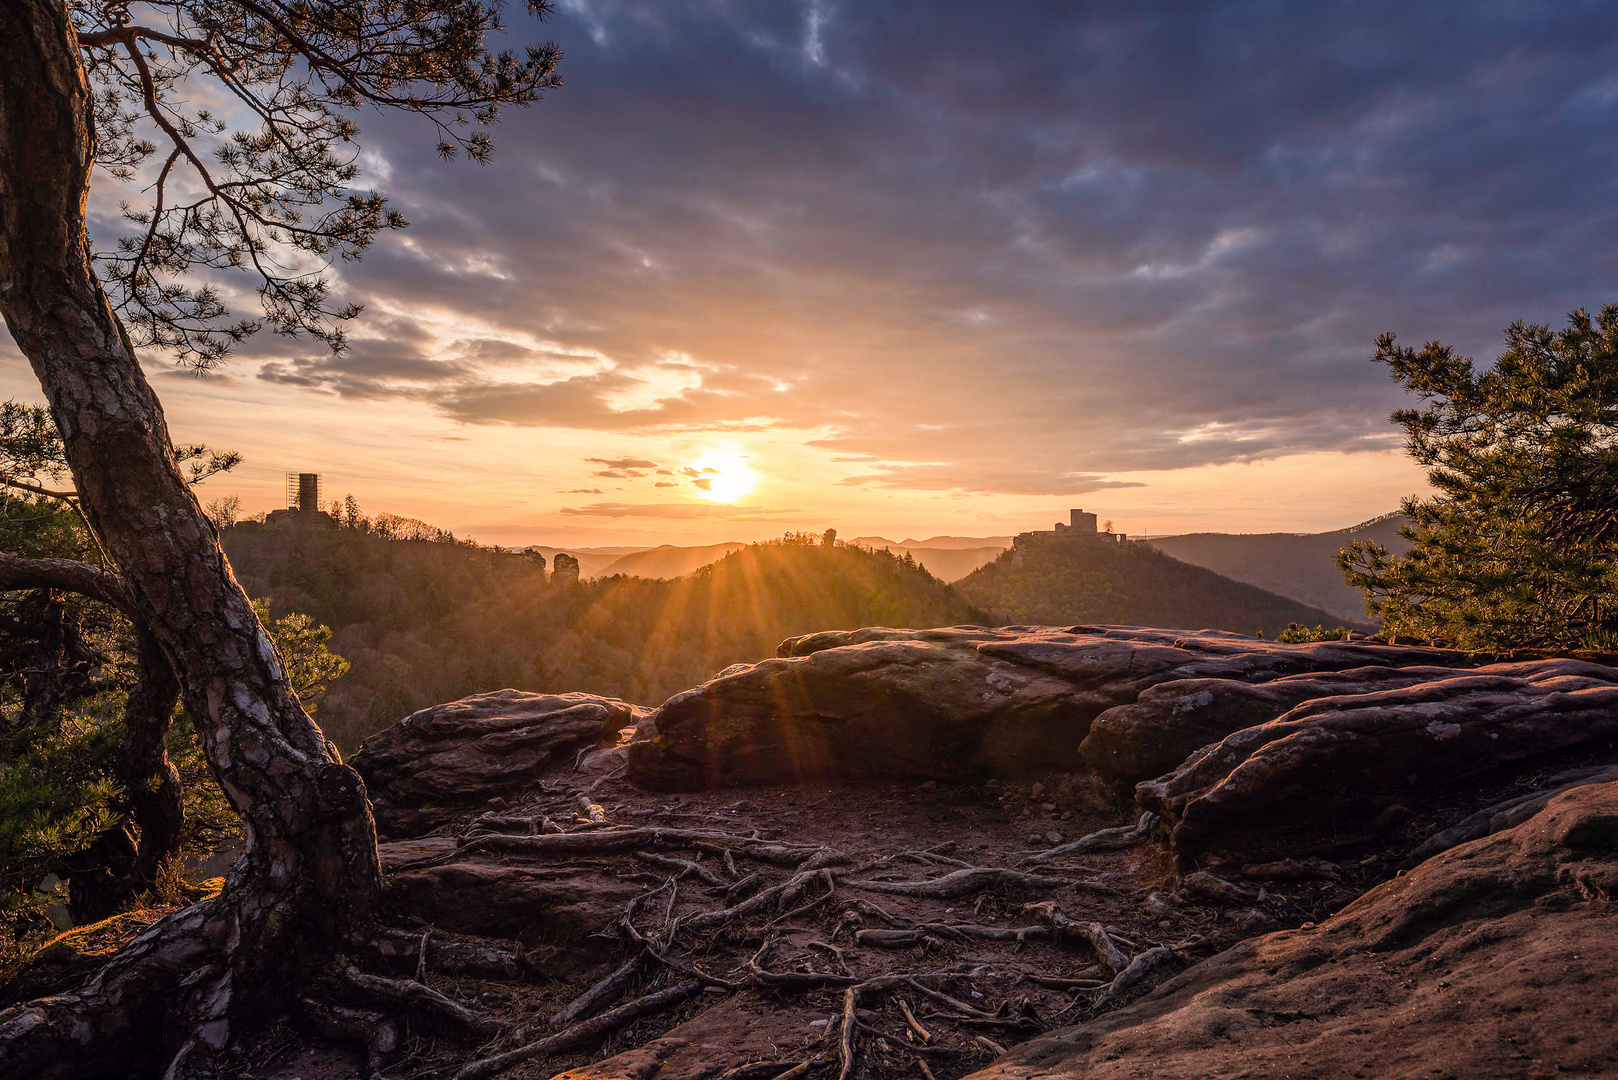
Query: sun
{"points": [[723, 476]]}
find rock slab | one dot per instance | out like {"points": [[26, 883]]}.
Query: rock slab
{"points": [[468, 751], [955, 703], [1493, 960], [1309, 781]]}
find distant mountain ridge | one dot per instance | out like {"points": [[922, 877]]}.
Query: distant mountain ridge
{"points": [[947, 558], [668, 561], [1057, 579], [1302, 566]]}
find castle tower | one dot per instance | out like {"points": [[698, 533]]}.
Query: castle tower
{"points": [[303, 492]]}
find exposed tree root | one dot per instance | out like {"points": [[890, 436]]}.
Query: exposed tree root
{"points": [[962, 883], [1102, 840], [586, 1031]]}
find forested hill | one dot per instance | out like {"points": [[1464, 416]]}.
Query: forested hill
{"points": [[425, 622], [1056, 579], [1302, 566]]}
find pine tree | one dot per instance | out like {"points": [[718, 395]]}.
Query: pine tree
{"points": [[1519, 547]]}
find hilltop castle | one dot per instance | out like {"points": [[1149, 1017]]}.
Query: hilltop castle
{"points": [[1082, 524]]}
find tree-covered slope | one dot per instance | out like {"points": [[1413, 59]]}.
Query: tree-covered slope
{"points": [[425, 622], [1051, 578], [1302, 566]]}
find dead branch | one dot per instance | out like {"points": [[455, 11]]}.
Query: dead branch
{"points": [[899, 939], [423, 999], [1143, 974], [684, 867], [1111, 957], [831, 891], [846, 1043], [912, 1023], [585, 1032], [608, 989], [950, 1002], [792, 980], [1102, 840], [1065, 982], [590, 811]]}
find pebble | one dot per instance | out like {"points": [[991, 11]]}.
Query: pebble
{"points": [[1036, 791], [929, 786], [1035, 838], [1054, 837]]}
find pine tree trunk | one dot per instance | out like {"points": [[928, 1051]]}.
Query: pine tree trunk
{"points": [[309, 875]]}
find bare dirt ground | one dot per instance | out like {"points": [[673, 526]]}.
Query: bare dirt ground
{"points": [[772, 981]]}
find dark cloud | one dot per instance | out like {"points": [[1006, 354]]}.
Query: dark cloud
{"points": [[1030, 246]]}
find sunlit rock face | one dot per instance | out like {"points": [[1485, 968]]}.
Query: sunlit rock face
{"points": [[951, 703], [1494, 959], [468, 751], [1320, 776]]}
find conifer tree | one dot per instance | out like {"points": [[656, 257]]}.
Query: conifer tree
{"points": [[1519, 546]]}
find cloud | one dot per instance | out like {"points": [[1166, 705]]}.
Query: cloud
{"points": [[582, 491], [681, 511], [705, 483], [665, 484], [1139, 237], [954, 478], [623, 463]]}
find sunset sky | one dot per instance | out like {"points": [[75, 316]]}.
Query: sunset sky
{"points": [[909, 268]]}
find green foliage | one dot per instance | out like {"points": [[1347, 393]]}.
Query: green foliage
{"points": [[58, 794], [1055, 579], [1299, 634], [55, 799], [1517, 549], [426, 621], [310, 665]]}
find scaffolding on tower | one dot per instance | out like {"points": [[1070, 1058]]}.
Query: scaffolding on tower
{"points": [[303, 492]]}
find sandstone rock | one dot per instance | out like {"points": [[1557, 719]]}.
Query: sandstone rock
{"points": [[564, 568], [1506, 814], [1152, 735], [951, 703], [468, 751], [1318, 777], [1491, 960]]}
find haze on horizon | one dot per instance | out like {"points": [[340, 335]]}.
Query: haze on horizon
{"points": [[947, 268]]}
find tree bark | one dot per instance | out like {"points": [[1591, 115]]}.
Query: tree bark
{"points": [[309, 877]]}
